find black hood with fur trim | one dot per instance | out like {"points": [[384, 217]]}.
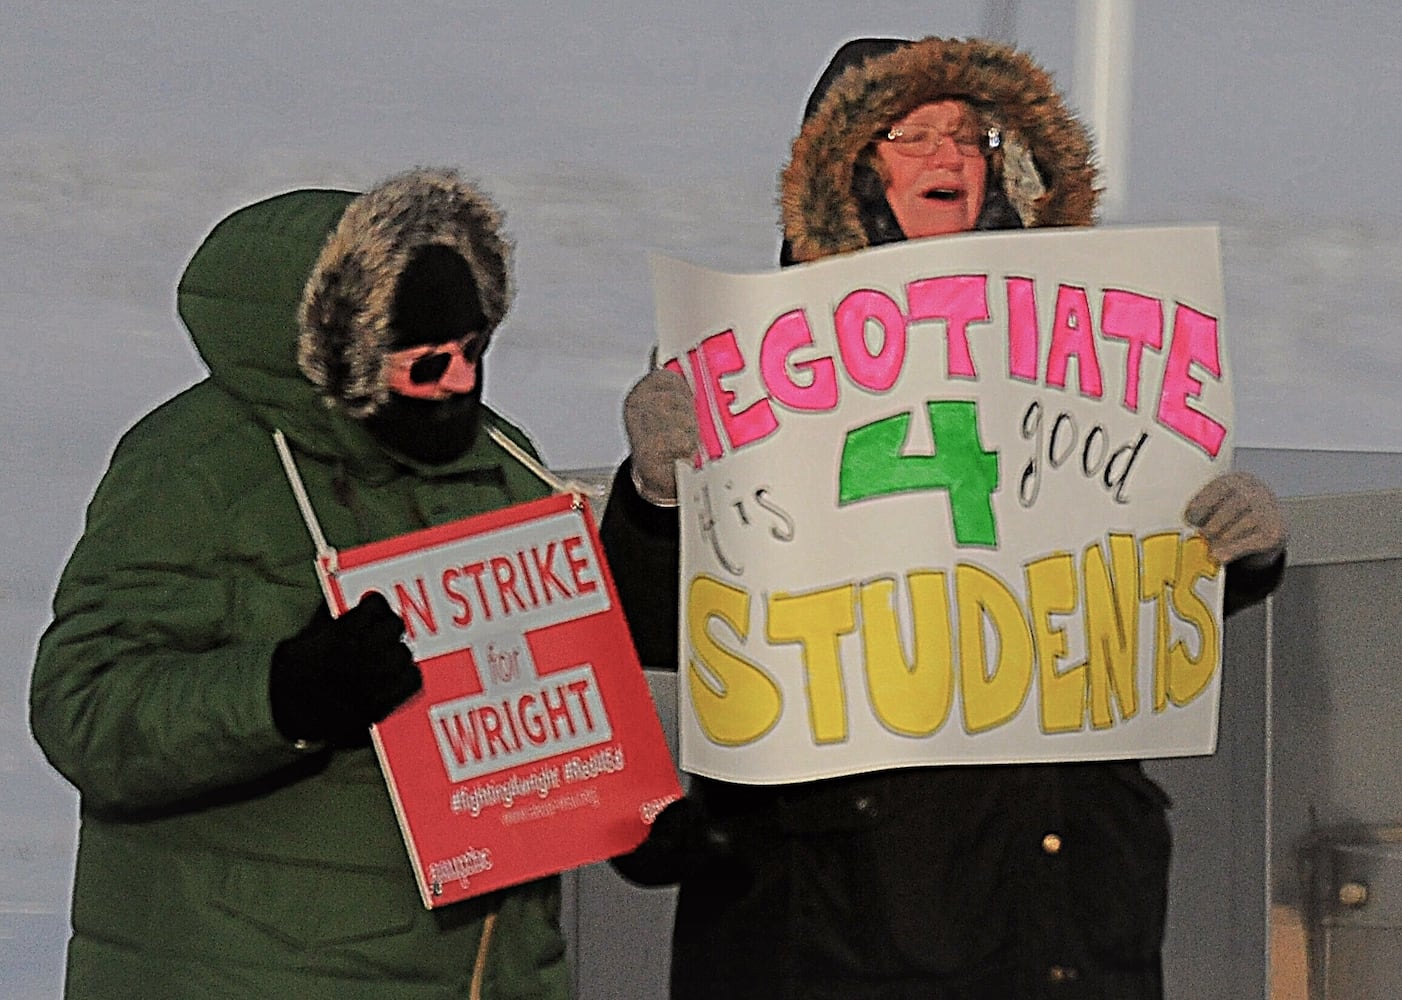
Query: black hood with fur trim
{"points": [[1042, 172], [348, 304]]}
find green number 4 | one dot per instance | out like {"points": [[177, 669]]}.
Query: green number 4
{"points": [[873, 466]]}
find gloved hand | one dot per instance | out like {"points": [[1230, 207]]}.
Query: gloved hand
{"points": [[1240, 517], [334, 679], [661, 423], [684, 842]]}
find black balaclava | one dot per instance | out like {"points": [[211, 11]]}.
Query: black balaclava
{"points": [[435, 301]]}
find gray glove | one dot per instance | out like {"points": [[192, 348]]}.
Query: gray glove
{"points": [[660, 419], [1239, 516]]}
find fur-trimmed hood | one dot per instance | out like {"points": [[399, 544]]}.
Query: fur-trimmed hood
{"points": [[1044, 164], [288, 299], [348, 302]]}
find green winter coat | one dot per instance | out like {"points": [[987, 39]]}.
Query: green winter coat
{"points": [[217, 860]]}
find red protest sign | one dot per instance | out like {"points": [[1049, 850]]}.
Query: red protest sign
{"points": [[534, 746]]}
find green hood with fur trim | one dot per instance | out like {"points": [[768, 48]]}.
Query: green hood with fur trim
{"points": [[307, 280]]}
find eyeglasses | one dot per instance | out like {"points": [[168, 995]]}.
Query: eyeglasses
{"points": [[417, 370], [924, 140]]}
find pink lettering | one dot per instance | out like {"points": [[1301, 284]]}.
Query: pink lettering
{"points": [[705, 423], [786, 335], [1073, 337], [958, 300], [877, 372], [1194, 342], [1024, 340], [756, 421], [1137, 320]]}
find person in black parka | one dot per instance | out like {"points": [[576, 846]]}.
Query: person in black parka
{"points": [[938, 883]]}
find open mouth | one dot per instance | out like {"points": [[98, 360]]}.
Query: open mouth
{"points": [[944, 194]]}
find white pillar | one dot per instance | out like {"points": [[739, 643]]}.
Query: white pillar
{"points": [[1000, 21], [1101, 91]]}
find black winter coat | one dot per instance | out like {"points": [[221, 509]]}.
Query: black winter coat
{"points": [[938, 883], [998, 882]]}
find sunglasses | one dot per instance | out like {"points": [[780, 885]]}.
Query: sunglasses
{"points": [[422, 371]]}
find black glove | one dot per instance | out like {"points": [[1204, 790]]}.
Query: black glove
{"points": [[684, 843], [338, 676]]}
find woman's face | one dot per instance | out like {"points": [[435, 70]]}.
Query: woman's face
{"points": [[934, 164]]}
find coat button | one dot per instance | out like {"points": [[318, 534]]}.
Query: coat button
{"points": [[1353, 894], [1051, 843], [864, 805], [1062, 974]]}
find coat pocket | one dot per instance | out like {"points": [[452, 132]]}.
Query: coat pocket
{"points": [[310, 907]]}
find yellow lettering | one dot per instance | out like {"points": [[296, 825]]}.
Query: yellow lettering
{"points": [[1112, 629], [736, 701], [910, 695], [1189, 676], [1159, 570], [1005, 643], [1051, 590], [991, 697], [815, 621]]}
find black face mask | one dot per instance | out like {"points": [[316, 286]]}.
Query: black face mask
{"points": [[435, 302], [427, 430]]}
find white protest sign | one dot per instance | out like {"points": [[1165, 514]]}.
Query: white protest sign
{"points": [[937, 516]]}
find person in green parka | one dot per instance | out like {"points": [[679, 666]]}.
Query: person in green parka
{"points": [[237, 839]]}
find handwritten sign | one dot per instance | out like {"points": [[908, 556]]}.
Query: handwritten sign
{"points": [[936, 515], [534, 746]]}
